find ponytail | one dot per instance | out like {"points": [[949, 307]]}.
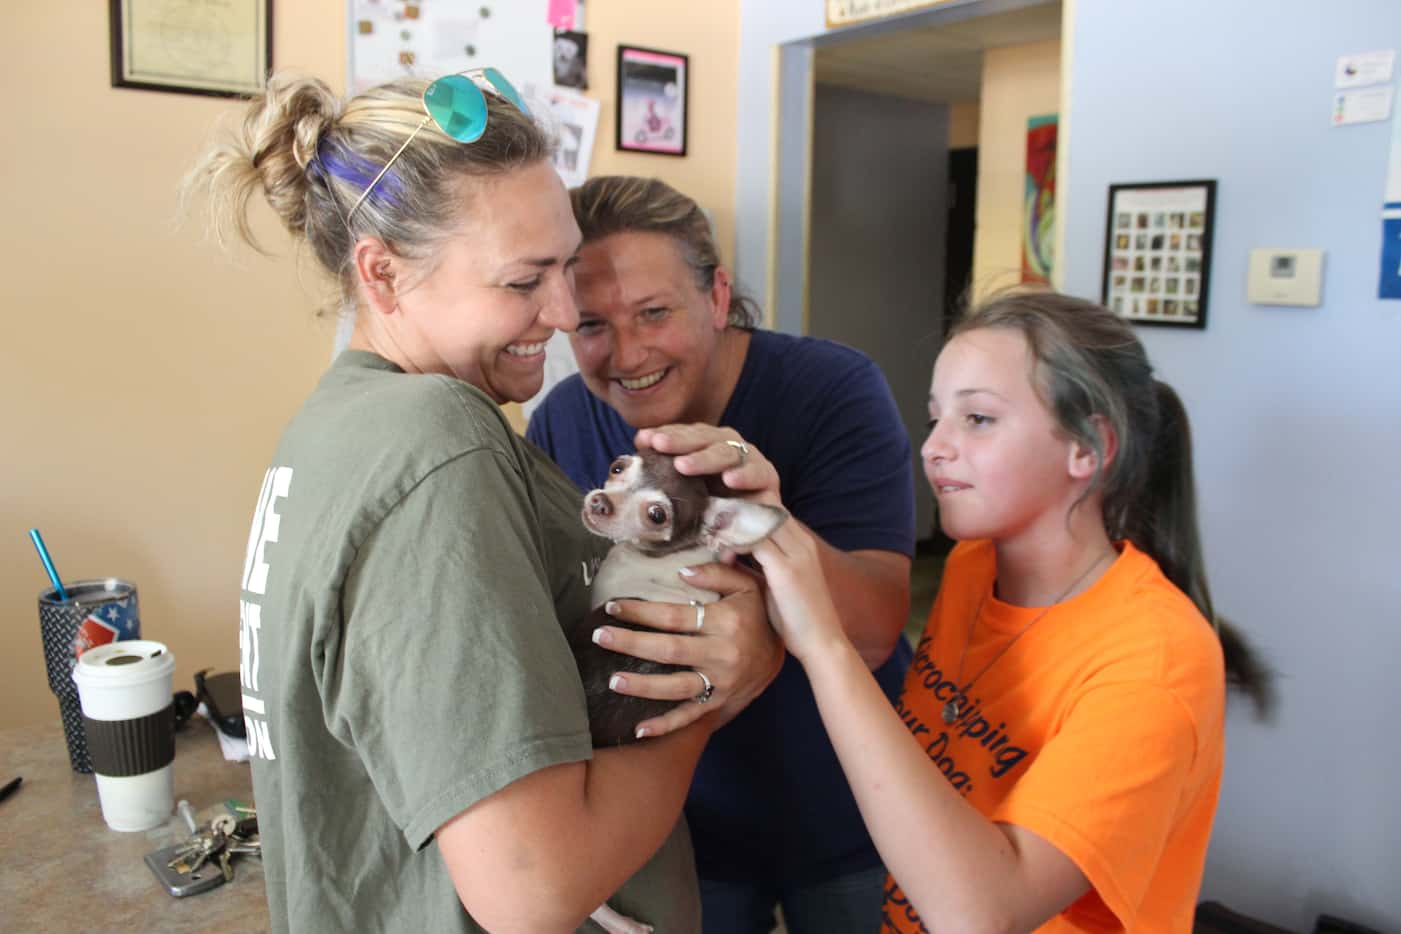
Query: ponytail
{"points": [[1162, 523]]}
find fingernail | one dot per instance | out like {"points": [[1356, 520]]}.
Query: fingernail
{"points": [[611, 607], [642, 732], [601, 636], [617, 683], [687, 572]]}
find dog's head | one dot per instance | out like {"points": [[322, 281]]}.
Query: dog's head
{"points": [[646, 503], [566, 52]]}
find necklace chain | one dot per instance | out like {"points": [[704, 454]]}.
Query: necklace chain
{"points": [[955, 706]]}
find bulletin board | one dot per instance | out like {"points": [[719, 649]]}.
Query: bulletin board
{"points": [[428, 38]]}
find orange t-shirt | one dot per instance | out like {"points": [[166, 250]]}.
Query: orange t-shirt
{"points": [[1101, 729]]}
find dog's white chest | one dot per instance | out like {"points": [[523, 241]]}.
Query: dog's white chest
{"points": [[626, 572]]}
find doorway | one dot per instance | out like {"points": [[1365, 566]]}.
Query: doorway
{"points": [[896, 229]]}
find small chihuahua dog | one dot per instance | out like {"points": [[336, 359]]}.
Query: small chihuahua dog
{"points": [[660, 521]]}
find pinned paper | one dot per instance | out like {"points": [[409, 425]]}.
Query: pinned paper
{"points": [[576, 119], [561, 13], [1359, 71], [1368, 105]]}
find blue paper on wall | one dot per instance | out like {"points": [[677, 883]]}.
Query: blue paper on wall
{"points": [[1390, 286]]}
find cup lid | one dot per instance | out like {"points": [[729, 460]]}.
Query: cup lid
{"points": [[129, 662]]}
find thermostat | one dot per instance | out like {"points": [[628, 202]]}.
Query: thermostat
{"points": [[1285, 277]]}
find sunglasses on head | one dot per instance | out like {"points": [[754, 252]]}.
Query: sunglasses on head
{"points": [[457, 106]]}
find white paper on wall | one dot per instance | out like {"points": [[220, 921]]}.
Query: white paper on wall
{"points": [[1358, 71], [1365, 105], [573, 119]]}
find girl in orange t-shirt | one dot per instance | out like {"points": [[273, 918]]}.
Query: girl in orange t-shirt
{"points": [[1066, 702]]}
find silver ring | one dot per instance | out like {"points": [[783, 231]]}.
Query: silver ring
{"points": [[743, 450], [700, 614], [707, 692]]}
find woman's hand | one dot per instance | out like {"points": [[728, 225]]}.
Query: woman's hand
{"points": [[736, 649], [702, 449], [800, 605]]}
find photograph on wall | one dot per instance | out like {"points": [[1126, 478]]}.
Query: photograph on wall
{"points": [[190, 47], [1157, 251], [1039, 200], [571, 59], [652, 92]]}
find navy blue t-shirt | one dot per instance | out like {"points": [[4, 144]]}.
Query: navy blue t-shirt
{"points": [[769, 801]]}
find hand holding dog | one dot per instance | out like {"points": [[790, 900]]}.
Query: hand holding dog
{"points": [[799, 603], [702, 449], [736, 648]]}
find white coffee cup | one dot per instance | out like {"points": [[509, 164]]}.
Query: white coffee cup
{"points": [[125, 689]]}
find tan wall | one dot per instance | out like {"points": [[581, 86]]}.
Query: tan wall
{"points": [[1018, 82], [145, 376], [963, 124]]}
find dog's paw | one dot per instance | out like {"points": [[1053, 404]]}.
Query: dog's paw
{"points": [[615, 923]]}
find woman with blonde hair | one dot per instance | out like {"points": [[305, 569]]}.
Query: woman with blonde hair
{"points": [[418, 728]]}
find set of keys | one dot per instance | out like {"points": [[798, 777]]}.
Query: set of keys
{"points": [[205, 859]]}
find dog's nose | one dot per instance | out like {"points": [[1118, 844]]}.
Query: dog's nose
{"points": [[599, 504]]}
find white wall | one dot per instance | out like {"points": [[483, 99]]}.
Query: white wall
{"points": [[1297, 414]]}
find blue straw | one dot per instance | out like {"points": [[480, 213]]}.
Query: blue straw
{"points": [[48, 563]]}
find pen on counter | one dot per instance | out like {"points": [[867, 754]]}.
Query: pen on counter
{"points": [[10, 787]]}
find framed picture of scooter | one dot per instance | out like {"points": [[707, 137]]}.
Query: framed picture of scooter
{"points": [[652, 98]]}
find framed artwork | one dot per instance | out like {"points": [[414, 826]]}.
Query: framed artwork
{"points": [[192, 46], [1039, 200], [652, 94], [1157, 252]]}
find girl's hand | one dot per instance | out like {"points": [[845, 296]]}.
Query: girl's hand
{"points": [[702, 449], [736, 649], [800, 605]]}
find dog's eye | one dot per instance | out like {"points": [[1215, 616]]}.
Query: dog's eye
{"points": [[656, 514], [618, 467]]}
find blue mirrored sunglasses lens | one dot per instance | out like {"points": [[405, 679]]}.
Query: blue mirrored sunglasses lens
{"points": [[507, 89], [456, 104]]}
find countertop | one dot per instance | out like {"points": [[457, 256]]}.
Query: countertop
{"points": [[63, 869]]}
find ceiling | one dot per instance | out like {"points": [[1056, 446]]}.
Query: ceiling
{"points": [[938, 63]]}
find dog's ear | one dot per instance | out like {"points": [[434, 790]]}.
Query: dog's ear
{"points": [[737, 524]]}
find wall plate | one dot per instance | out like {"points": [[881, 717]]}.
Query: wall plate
{"points": [[1281, 276]]}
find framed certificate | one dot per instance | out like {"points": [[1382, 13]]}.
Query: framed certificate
{"points": [[192, 46]]}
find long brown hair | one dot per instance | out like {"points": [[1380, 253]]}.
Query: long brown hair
{"points": [[611, 204], [1089, 364]]}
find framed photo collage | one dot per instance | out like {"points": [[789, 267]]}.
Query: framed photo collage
{"points": [[1158, 252]]}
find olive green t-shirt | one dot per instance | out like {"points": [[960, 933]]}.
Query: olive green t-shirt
{"points": [[412, 570]]}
